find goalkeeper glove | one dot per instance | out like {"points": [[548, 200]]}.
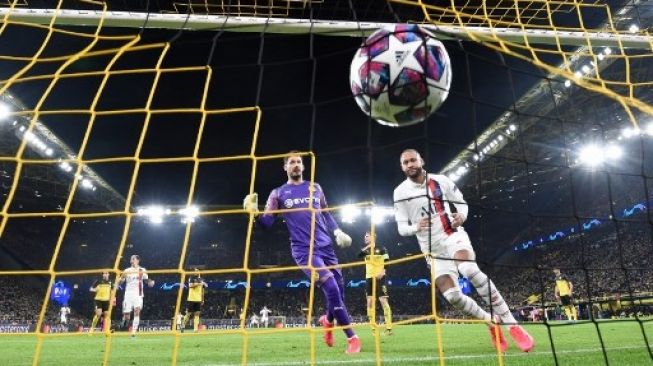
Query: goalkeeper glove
{"points": [[343, 240], [250, 203]]}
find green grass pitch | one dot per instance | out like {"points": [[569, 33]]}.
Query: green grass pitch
{"points": [[576, 344]]}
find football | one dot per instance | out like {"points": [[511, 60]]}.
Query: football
{"points": [[400, 75]]}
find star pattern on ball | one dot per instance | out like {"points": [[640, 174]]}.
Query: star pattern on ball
{"points": [[399, 55]]}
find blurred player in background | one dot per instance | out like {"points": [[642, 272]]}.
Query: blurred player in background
{"points": [[432, 208], [63, 314], [195, 300], [133, 276], [102, 289], [564, 290], [179, 321], [265, 316], [297, 193], [375, 272], [254, 320]]}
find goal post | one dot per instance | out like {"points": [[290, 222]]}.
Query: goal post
{"points": [[70, 17]]}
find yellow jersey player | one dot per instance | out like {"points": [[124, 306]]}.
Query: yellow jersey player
{"points": [[195, 300], [564, 294], [102, 289], [375, 271]]}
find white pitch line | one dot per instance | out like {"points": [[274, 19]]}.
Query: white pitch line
{"points": [[385, 360], [421, 359]]}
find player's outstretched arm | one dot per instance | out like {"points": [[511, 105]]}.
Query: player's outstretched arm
{"points": [[150, 282], [250, 203], [120, 280], [404, 226]]}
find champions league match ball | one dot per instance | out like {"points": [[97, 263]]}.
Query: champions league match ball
{"points": [[400, 75]]}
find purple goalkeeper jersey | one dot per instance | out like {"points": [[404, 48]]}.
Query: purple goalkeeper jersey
{"points": [[291, 196]]}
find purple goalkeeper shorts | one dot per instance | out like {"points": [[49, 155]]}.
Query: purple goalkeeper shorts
{"points": [[322, 257]]}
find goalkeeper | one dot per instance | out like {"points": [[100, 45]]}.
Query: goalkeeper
{"points": [[297, 193]]}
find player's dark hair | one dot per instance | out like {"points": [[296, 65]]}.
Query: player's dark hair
{"points": [[411, 150], [290, 153], [137, 256], [415, 152]]}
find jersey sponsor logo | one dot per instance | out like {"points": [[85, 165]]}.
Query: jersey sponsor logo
{"points": [[290, 202]]}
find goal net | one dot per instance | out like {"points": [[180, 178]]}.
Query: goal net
{"points": [[137, 128]]}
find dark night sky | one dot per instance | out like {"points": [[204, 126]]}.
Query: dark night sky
{"points": [[357, 158]]}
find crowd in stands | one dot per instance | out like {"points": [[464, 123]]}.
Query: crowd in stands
{"points": [[603, 262]]}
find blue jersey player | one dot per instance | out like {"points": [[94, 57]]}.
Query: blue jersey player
{"points": [[296, 194]]}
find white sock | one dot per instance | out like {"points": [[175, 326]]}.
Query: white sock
{"points": [[137, 319], [465, 303], [488, 292]]}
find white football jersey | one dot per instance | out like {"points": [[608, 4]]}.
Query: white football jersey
{"points": [[437, 197], [265, 312], [134, 278]]}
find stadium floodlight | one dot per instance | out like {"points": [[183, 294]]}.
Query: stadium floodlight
{"points": [[607, 50], [85, 183], [600, 56], [349, 213], [5, 110], [630, 132], [591, 155], [49, 151], [512, 127], [634, 28], [567, 83], [586, 69], [66, 167], [379, 214], [649, 129], [614, 152], [189, 214], [154, 213]]}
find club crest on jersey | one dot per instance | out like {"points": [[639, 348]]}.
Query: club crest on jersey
{"points": [[290, 202]]}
